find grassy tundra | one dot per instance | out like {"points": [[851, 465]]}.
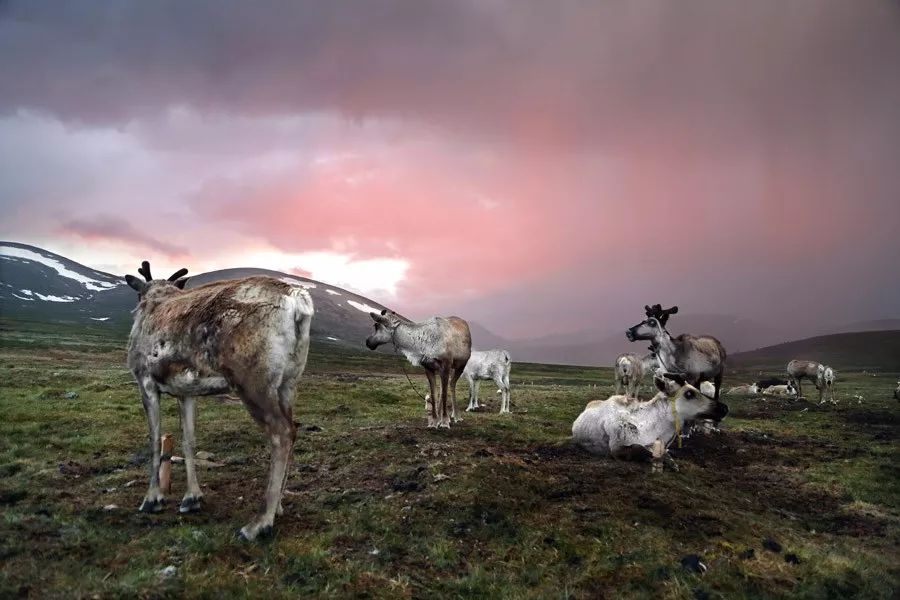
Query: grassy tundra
{"points": [[501, 506]]}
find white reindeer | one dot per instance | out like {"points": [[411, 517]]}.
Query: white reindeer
{"points": [[781, 390], [798, 370], [441, 346], [828, 385], [493, 365], [630, 370], [747, 389], [624, 427], [250, 336]]}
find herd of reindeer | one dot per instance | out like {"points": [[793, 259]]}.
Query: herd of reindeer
{"points": [[251, 337]]}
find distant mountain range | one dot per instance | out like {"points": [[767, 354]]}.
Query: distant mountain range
{"points": [[39, 285]]}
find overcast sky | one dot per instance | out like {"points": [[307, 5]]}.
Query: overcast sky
{"points": [[537, 167]]}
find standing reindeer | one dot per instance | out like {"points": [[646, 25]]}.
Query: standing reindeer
{"points": [[698, 358], [488, 365], [248, 335], [798, 370], [440, 345], [630, 370]]}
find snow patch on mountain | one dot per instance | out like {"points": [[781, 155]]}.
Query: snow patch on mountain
{"points": [[363, 307], [11, 253]]}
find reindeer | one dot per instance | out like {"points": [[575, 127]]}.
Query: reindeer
{"points": [[440, 345], [488, 365], [828, 384], [247, 335], [747, 389], [623, 427], [698, 358], [788, 390], [797, 370], [630, 370]]}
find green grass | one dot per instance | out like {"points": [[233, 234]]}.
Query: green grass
{"points": [[378, 506]]}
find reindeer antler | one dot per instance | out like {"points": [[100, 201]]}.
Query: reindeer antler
{"points": [[178, 274], [145, 271]]}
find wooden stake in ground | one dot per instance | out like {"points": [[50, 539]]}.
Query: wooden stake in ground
{"points": [[165, 465]]}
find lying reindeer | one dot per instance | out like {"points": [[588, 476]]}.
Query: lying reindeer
{"points": [[788, 390], [623, 427], [750, 389]]}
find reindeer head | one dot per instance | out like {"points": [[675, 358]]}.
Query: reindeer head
{"points": [[690, 403], [661, 314], [385, 324], [176, 280], [647, 329]]}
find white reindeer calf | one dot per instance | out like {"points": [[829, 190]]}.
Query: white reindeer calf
{"points": [[623, 427], [493, 365]]}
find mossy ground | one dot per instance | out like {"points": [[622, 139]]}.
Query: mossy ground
{"points": [[379, 506]]}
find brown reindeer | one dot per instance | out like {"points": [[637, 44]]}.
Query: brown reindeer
{"points": [[246, 335], [442, 346], [698, 358]]}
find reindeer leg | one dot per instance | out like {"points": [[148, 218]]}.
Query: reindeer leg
{"points": [[430, 405], [154, 499], [444, 416], [192, 496], [281, 441], [498, 381], [473, 393], [457, 372], [506, 390]]}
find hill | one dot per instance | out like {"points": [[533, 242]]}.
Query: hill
{"points": [[872, 350], [38, 285]]}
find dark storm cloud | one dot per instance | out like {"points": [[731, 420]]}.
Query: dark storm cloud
{"points": [[118, 230]]}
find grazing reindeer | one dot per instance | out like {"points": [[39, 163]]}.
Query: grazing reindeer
{"points": [[488, 365], [622, 427], [797, 370], [828, 384], [441, 345], [698, 358], [630, 370], [247, 335]]}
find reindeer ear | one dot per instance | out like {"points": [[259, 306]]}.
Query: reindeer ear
{"points": [[660, 383], [135, 284], [673, 310], [378, 318], [180, 283]]}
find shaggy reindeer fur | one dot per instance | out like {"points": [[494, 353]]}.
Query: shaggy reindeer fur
{"points": [[247, 335], [623, 427]]}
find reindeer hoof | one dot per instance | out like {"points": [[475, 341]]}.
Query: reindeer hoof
{"points": [[152, 506], [190, 504], [249, 533]]}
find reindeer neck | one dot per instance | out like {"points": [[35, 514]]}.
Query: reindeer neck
{"points": [[666, 348], [408, 343]]}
